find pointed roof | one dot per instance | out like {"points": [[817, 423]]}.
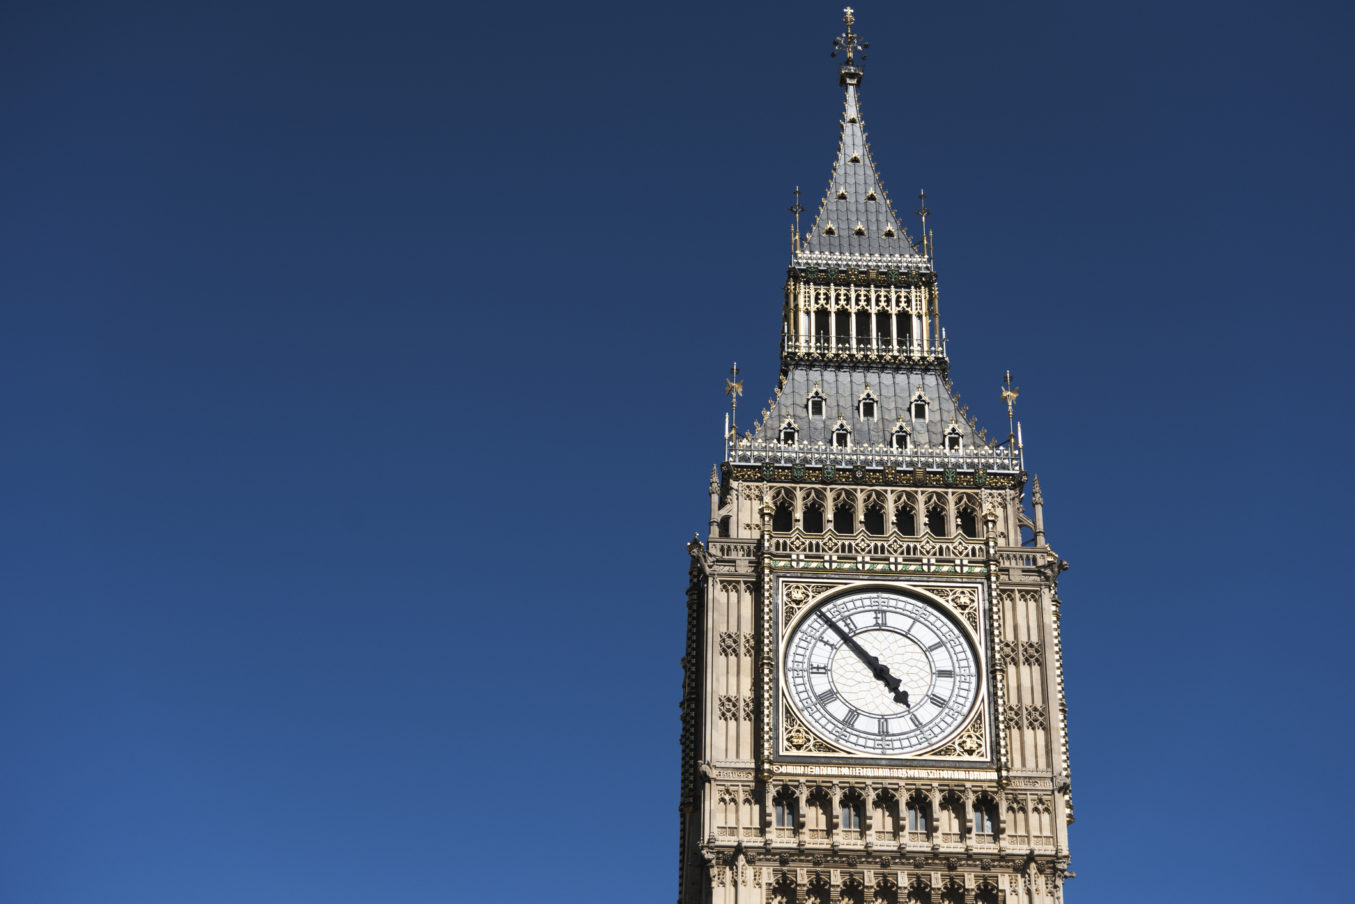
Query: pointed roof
{"points": [[855, 219], [855, 216]]}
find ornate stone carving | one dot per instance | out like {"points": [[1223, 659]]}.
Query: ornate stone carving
{"points": [[795, 595], [799, 739]]}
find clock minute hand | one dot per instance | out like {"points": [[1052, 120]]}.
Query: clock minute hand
{"points": [[877, 668]]}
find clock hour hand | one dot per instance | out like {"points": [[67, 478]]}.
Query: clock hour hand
{"points": [[877, 668]]}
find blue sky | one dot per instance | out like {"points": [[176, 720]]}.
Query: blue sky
{"points": [[363, 373]]}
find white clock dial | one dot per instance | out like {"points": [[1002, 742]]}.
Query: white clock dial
{"points": [[880, 672]]}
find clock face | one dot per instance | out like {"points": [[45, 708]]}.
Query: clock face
{"points": [[878, 672]]}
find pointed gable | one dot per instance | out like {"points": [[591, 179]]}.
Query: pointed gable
{"points": [[855, 216]]}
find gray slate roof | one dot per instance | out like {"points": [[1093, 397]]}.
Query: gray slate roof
{"points": [[857, 180], [842, 389]]}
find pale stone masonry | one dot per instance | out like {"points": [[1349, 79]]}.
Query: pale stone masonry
{"points": [[872, 704]]}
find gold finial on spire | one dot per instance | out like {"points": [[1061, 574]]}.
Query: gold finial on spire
{"points": [[922, 212], [797, 208], [1009, 394], [849, 42], [733, 389]]}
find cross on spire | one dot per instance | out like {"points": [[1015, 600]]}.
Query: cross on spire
{"points": [[849, 43]]}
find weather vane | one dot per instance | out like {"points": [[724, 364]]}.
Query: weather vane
{"points": [[1009, 394], [922, 212], [733, 389], [848, 42]]}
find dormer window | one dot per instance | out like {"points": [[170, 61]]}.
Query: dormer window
{"points": [[855, 158], [900, 438], [830, 229], [789, 432], [868, 405], [953, 439], [842, 435], [919, 406], [859, 230], [842, 194], [889, 232], [870, 196], [816, 402]]}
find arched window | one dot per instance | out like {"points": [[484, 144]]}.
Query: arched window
{"points": [[886, 892], [783, 809], [899, 439], [952, 893], [936, 520], [783, 519], [919, 815], [818, 814], [789, 432], [853, 892], [985, 818], [812, 519], [919, 892], [886, 816], [868, 405], [967, 520], [986, 893], [905, 519], [817, 892], [844, 516], [873, 518], [851, 813], [783, 892], [724, 527], [953, 442], [842, 435], [952, 817]]}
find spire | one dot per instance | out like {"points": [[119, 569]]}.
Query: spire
{"points": [[855, 216]]}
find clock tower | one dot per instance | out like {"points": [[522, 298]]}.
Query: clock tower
{"points": [[872, 701]]}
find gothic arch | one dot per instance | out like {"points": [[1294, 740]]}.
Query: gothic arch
{"points": [[951, 819], [818, 813], [886, 805], [919, 815], [852, 812], [886, 892], [783, 890], [852, 892], [874, 512], [813, 513], [986, 822]]}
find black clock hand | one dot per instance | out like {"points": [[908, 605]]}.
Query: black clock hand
{"points": [[877, 668]]}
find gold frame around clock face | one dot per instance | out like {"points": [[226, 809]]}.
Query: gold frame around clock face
{"points": [[881, 672]]}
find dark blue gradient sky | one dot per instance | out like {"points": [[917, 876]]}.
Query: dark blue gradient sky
{"points": [[362, 373]]}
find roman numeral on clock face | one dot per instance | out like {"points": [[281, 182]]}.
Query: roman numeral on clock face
{"points": [[884, 726], [850, 719], [945, 673], [827, 696], [937, 700]]}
